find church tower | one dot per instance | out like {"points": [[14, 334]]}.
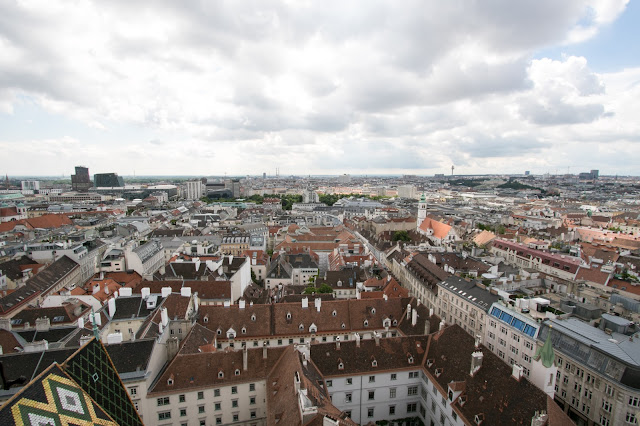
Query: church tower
{"points": [[543, 368], [422, 211]]}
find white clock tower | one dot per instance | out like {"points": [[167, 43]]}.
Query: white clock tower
{"points": [[422, 210]]}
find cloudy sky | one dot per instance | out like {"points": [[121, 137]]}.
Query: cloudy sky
{"points": [[319, 87]]}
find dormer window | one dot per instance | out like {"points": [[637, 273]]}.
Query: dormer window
{"points": [[220, 374], [366, 323], [462, 400], [479, 418], [340, 365], [410, 359], [313, 328], [288, 315], [301, 327], [253, 317], [395, 322], [206, 319], [237, 372], [334, 313], [343, 326], [170, 381], [429, 363], [374, 363], [244, 330], [386, 322], [373, 311], [219, 332], [438, 372]]}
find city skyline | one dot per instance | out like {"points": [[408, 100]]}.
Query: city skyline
{"points": [[319, 89]]}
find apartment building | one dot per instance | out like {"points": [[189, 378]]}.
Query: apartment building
{"points": [[558, 265], [464, 303], [445, 378], [598, 377]]}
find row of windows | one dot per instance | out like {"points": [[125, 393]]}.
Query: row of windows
{"points": [[166, 415], [411, 408], [411, 390], [165, 400], [372, 379]]}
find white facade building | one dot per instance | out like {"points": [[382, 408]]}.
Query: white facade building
{"points": [[193, 190]]}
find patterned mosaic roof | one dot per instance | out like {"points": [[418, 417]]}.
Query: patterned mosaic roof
{"points": [[92, 368], [85, 389], [53, 398]]}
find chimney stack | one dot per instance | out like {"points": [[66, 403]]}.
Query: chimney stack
{"points": [[245, 359], [338, 343], [241, 304], [357, 336], [414, 317], [318, 303], [476, 362], [376, 336], [517, 372], [112, 307], [427, 327], [442, 324], [264, 350], [478, 341], [164, 316], [305, 303], [408, 311]]}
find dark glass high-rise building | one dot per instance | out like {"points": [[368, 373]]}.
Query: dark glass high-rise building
{"points": [[81, 181], [102, 180]]}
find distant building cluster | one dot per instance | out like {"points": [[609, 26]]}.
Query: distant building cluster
{"points": [[452, 300]]}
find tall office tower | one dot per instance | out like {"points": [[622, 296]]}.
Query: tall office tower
{"points": [[81, 181], [108, 180]]}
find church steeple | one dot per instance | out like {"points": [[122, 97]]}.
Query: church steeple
{"points": [[545, 353], [543, 367], [422, 210]]}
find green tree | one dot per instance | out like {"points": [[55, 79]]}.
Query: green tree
{"points": [[325, 288], [310, 290], [401, 236]]}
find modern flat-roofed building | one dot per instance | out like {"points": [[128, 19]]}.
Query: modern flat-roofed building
{"points": [[108, 180]]}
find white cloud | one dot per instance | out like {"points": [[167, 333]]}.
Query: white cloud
{"points": [[311, 86]]}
